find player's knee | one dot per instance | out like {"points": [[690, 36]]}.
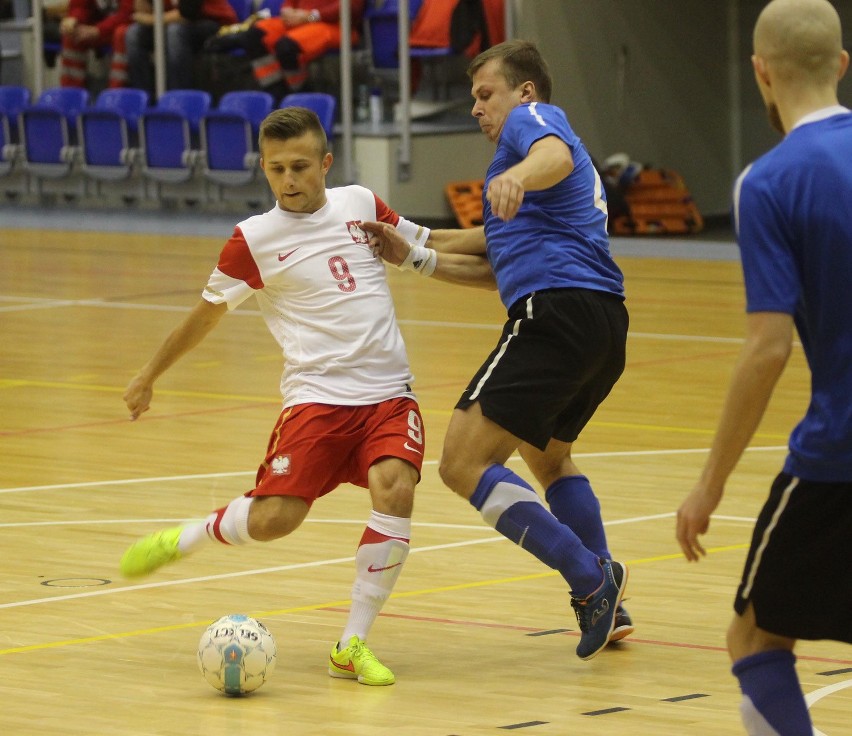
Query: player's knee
{"points": [[736, 640], [272, 517], [392, 489], [742, 636], [396, 501], [452, 470]]}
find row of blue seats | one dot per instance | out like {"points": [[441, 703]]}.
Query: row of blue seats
{"points": [[120, 135]]}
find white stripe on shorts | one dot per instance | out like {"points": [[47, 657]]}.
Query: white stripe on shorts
{"points": [[785, 498], [501, 352]]}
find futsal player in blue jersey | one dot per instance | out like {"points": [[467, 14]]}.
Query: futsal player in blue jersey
{"points": [[562, 348], [792, 214]]}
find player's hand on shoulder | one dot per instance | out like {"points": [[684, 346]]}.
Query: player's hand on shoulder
{"points": [[386, 242]]}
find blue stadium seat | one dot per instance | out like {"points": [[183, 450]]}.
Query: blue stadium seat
{"points": [[104, 141], [229, 146], [45, 141], [191, 104], [166, 142], [8, 151], [229, 140], [107, 134], [48, 133], [383, 30], [254, 105], [168, 135], [229, 156], [127, 102], [13, 99], [323, 104], [70, 100], [383, 34]]}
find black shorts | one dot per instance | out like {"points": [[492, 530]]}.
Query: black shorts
{"points": [[796, 574], [560, 354]]}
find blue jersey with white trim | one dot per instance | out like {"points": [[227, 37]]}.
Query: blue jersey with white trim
{"points": [[558, 239], [793, 213]]}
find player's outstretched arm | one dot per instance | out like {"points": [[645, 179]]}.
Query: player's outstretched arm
{"points": [[452, 267], [200, 321], [470, 241], [769, 336]]}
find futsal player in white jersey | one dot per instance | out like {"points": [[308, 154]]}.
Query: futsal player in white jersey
{"points": [[349, 414]]}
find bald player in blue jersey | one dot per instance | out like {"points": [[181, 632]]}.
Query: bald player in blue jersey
{"points": [[793, 216], [562, 348]]}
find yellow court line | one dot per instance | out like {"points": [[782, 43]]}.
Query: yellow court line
{"points": [[157, 630], [336, 604], [550, 573]]}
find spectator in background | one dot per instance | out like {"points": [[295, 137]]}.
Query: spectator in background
{"points": [[188, 24], [93, 25], [281, 47]]}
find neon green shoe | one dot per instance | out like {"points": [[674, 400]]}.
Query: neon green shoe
{"points": [[357, 661], [151, 553]]}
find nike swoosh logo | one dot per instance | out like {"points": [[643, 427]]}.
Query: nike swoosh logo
{"points": [[287, 255], [413, 449], [380, 569], [350, 667]]}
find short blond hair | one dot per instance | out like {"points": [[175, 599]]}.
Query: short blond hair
{"points": [[292, 122]]}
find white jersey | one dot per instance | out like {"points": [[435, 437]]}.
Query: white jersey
{"points": [[324, 296]]}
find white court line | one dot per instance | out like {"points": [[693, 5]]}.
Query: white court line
{"points": [[746, 519], [127, 481], [817, 695], [297, 566], [38, 305], [227, 575], [234, 474], [101, 304]]}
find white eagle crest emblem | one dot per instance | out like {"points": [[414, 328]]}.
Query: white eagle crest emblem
{"points": [[281, 465]]}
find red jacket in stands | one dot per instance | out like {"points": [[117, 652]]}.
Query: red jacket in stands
{"points": [[105, 15]]}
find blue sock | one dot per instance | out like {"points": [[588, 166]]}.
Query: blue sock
{"points": [[574, 503], [772, 694], [514, 509]]}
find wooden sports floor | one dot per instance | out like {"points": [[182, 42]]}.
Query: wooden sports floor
{"points": [[479, 634]]}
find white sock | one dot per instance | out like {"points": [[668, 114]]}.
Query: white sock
{"points": [[228, 525], [378, 562], [753, 720]]}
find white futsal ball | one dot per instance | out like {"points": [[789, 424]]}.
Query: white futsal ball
{"points": [[236, 654]]}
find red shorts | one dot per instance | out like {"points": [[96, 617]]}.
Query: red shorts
{"points": [[316, 447]]}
